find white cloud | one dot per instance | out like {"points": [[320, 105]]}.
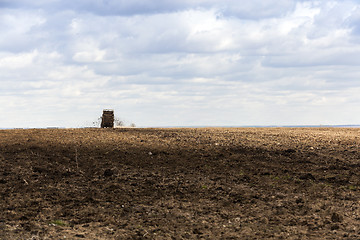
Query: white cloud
{"points": [[16, 61], [202, 62]]}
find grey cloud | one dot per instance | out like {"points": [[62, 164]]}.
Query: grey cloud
{"points": [[101, 7], [251, 10], [333, 16], [354, 21], [310, 59], [19, 30], [231, 8]]}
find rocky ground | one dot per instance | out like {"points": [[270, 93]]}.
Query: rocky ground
{"points": [[211, 183]]}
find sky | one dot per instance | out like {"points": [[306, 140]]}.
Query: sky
{"points": [[179, 62]]}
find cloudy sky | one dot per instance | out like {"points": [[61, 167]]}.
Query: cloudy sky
{"points": [[179, 62]]}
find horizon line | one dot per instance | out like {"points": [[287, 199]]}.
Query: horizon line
{"points": [[210, 126]]}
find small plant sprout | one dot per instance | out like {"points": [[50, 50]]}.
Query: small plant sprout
{"points": [[57, 223]]}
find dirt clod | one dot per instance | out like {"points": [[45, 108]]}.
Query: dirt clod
{"points": [[108, 173], [336, 218]]}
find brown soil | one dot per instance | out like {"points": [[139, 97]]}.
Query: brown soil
{"points": [[226, 183]]}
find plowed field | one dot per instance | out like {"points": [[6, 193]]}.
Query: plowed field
{"points": [[207, 183]]}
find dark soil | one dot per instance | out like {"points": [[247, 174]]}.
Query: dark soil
{"points": [[226, 183]]}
